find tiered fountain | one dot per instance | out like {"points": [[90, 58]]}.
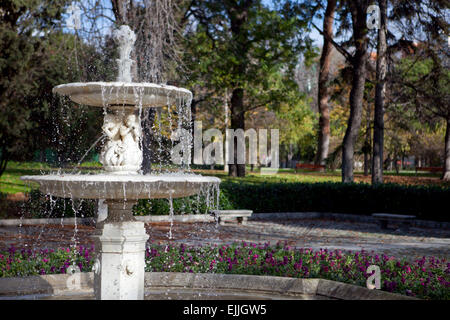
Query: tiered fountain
{"points": [[120, 240]]}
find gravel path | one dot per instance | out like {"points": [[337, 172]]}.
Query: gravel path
{"points": [[315, 234]]}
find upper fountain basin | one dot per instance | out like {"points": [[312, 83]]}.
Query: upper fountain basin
{"points": [[123, 187], [102, 94]]}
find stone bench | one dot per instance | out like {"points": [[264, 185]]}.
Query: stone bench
{"points": [[385, 218], [430, 169], [240, 216]]}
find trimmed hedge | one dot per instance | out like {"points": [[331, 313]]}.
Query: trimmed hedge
{"points": [[42, 206], [426, 202], [188, 205]]}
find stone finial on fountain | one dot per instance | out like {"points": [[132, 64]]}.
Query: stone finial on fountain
{"points": [[125, 38]]}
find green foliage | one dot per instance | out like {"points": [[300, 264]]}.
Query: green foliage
{"points": [[188, 205], [297, 123], [36, 56], [43, 206], [423, 201], [278, 193], [424, 85], [27, 262], [426, 202], [24, 29], [251, 58]]}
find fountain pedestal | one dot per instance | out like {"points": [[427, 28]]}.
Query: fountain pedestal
{"points": [[120, 265]]}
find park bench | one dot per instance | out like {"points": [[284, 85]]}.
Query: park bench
{"points": [[430, 169], [385, 218], [240, 216], [313, 167]]}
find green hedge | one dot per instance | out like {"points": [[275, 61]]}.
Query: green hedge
{"points": [[426, 202], [43, 206], [188, 205]]}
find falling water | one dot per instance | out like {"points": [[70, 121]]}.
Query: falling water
{"points": [[170, 216], [176, 114]]}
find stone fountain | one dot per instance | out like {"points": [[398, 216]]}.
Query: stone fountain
{"points": [[120, 240]]}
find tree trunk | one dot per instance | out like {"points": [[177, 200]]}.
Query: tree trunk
{"points": [[324, 92], [380, 92], [359, 15], [238, 13], [367, 146], [290, 155], [237, 122], [446, 175], [396, 164], [3, 159], [146, 123], [354, 121], [366, 163]]}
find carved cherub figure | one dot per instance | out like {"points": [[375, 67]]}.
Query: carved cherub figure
{"points": [[112, 154], [130, 132], [111, 126]]}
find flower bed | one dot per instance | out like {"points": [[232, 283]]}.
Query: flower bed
{"points": [[427, 278]]}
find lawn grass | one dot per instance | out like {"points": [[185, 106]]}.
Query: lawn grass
{"points": [[10, 182], [287, 177]]}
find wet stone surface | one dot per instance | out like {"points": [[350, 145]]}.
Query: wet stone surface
{"points": [[175, 294], [310, 233]]}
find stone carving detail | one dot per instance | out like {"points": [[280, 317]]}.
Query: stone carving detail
{"points": [[122, 151]]}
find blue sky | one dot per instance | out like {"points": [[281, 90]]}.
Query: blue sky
{"points": [[314, 34]]}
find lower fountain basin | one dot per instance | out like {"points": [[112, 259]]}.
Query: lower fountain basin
{"points": [[122, 187], [196, 286]]}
